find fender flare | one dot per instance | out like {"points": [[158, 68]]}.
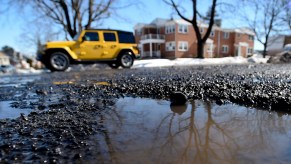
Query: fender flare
{"points": [[66, 50]]}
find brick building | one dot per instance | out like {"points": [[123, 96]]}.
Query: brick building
{"points": [[164, 38]]}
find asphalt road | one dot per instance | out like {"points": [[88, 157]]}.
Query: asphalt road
{"points": [[68, 107]]}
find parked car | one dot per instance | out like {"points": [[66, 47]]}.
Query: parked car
{"points": [[114, 47]]}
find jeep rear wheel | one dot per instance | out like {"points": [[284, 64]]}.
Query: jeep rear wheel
{"points": [[58, 61], [126, 60]]}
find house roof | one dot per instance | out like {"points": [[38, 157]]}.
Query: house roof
{"points": [[142, 25], [244, 30], [201, 24], [159, 22], [155, 23], [181, 21]]}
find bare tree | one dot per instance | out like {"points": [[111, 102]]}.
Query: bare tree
{"points": [[287, 16], [263, 18], [54, 19], [201, 39], [36, 32], [72, 15]]}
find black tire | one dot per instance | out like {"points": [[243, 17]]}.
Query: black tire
{"points": [[125, 60], [58, 61], [114, 65]]}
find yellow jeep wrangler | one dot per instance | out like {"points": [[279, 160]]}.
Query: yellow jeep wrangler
{"points": [[114, 47]]}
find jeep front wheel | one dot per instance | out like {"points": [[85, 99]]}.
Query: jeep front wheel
{"points": [[58, 61], [126, 60]]}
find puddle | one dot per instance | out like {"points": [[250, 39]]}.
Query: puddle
{"points": [[8, 112], [150, 131]]}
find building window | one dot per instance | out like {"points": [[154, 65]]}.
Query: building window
{"points": [[183, 29], [225, 35], [250, 50], [251, 37], [212, 33], [238, 35], [170, 46], [183, 46], [170, 29], [225, 49]]}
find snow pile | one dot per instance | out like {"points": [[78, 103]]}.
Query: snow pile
{"points": [[193, 61], [258, 58], [29, 71]]}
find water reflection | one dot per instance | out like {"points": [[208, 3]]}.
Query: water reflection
{"points": [[150, 131], [6, 111]]}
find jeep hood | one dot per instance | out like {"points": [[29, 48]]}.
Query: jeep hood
{"points": [[59, 44]]}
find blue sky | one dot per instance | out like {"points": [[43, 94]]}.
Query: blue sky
{"points": [[12, 23]]}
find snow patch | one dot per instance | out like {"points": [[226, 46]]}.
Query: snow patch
{"points": [[193, 61]]}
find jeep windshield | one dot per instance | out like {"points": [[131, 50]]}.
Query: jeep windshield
{"points": [[76, 37]]}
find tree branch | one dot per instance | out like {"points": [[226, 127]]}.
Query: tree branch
{"points": [[175, 6], [211, 22]]}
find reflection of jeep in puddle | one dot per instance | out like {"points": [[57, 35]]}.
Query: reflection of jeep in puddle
{"points": [[114, 47]]}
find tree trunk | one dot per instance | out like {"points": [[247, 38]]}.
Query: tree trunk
{"points": [[72, 32], [265, 50], [200, 50]]}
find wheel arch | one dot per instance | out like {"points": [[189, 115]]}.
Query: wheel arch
{"points": [[66, 51], [124, 51]]}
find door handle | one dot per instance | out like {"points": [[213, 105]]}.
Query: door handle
{"points": [[98, 46]]}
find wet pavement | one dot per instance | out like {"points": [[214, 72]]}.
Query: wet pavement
{"points": [[235, 114]]}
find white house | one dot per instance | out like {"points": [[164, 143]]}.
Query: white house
{"points": [[4, 59], [277, 43]]}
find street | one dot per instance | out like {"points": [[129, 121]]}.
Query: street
{"points": [[78, 115]]}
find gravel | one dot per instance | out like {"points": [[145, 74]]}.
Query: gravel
{"points": [[69, 107]]}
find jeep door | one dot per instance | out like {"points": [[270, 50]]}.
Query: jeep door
{"points": [[91, 46], [110, 45]]}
